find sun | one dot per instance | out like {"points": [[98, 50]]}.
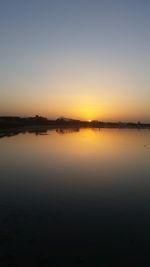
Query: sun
{"points": [[89, 120]]}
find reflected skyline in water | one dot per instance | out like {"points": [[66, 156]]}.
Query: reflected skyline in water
{"points": [[38, 131], [44, 130]]}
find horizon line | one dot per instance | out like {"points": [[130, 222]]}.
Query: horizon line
{"points": [[75, 119]]}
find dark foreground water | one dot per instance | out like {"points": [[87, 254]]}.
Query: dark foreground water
{"points": [[75, 198]]}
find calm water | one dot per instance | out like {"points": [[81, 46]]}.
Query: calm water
{"points": [[75, 198]]}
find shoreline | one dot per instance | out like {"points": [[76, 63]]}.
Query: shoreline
{"points": [[43, 129]]}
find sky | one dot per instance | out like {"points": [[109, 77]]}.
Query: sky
{"points": [[83, 59]]}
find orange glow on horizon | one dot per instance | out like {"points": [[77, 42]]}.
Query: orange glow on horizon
{"points": [[83, 108]]}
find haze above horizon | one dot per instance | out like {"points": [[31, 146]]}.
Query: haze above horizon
{"points": [[84, 59]]}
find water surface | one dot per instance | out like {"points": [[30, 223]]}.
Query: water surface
{"points": [[73, 197]]}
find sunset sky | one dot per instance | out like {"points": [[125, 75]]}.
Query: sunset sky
{"points": [[85, 59]]}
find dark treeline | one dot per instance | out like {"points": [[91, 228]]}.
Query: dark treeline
{"points": [[10, 121]]}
